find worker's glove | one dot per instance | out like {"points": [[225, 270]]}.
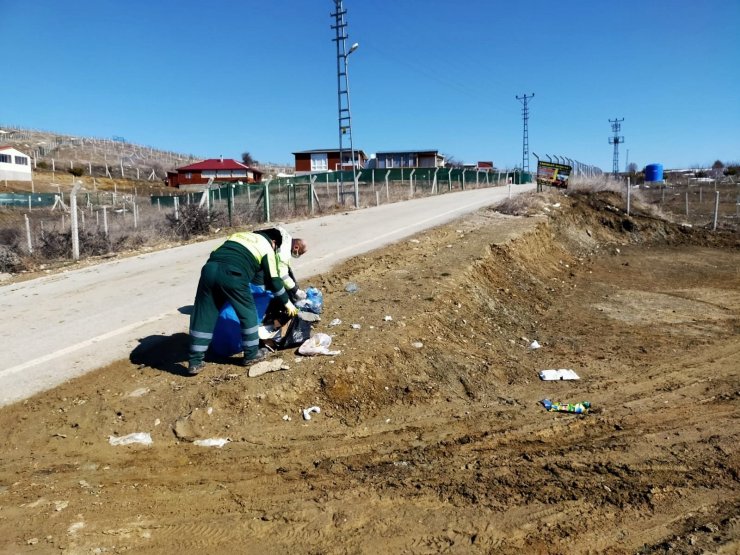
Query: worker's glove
{"points": [[300, 294], [291, 309]]}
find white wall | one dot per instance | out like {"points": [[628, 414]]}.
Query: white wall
{"points": [[13, 171]]}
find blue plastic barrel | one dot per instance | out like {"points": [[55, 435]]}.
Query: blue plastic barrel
{"points": [[654, 172]]}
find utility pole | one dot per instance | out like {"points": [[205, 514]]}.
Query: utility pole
{"points": [[615, 140], [627, 162], [345, 115], [525, 139]]}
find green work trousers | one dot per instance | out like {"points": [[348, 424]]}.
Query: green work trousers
{"points": [[221, 282]]}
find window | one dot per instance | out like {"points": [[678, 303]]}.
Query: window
{"points": [[208, 173], [239, 173], [223, 173], [188, 175], [21, 160], [5, 158], [319, 162]]}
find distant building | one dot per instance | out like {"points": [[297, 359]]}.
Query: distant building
{"points": [[14, 165], [216, 169], [409, 159], [326, 160]]}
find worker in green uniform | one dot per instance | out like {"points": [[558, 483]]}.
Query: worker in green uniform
{"points": [[225, 277], [289, 248]]}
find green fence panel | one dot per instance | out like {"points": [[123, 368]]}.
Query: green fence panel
{"points": [[21, 200]]}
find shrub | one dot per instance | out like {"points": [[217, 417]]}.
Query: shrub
{"points": [[57, 244], [77, 172], [193, 220], [9, 260]]}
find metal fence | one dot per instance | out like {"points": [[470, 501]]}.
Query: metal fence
{"points": [[317, 193]]}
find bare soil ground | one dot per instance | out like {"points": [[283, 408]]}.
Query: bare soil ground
{"points": [[431, 436]]}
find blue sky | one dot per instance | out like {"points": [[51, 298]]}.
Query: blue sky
{"points": [[227, 76]]}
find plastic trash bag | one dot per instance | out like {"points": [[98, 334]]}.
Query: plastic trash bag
{"points": [[317, 345], [314, 301], [227, 335], [299, 330]]}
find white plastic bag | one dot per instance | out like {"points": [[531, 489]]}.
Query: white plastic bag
{"points": [[317, 345]]}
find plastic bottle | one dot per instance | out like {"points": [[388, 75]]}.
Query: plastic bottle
{"points": [[577, 408]]}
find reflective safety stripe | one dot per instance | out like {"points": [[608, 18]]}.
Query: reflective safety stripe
{"points": [[251, 343], [201, 334], [250, 331], [281, 292], [198, 348]]}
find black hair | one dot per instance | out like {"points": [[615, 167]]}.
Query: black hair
{"points": [[272, 235]]}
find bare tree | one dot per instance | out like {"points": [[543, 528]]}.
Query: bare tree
{"points": [[718, 168], [452, 162], [248, 160]]}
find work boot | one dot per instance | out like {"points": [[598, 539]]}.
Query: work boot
{"points": [[261, 354], [195, 369]]}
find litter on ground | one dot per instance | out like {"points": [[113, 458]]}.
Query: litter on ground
{"points": [[317, 345], [211, 442], [577, 408], [307, 412], [561, 374], [143, 438]]}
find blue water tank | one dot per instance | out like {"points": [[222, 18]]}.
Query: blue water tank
{"points": [[654, 172]]}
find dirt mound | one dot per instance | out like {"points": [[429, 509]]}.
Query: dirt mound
{"points": [[431, 435]]}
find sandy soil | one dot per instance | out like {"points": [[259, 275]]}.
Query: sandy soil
{"points": [[431, 436]]}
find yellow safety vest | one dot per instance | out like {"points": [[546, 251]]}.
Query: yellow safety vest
{"points": [[258, 246]]}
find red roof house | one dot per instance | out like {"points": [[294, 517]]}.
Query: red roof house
{"points": [[216, 169]]}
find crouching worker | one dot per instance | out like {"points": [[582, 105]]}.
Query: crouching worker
{"points": [[225, 277]]}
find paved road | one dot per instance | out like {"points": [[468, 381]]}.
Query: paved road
{"points": [[61, 326]]}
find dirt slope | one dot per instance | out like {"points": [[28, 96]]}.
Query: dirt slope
{"points": [[431, 437]]}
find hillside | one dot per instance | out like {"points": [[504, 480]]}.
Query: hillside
{"points": [[102, 157]]}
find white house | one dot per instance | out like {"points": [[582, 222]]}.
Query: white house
{"points": [[14, 165]]}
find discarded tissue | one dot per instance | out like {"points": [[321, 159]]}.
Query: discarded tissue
{"points": [[561, 374]]}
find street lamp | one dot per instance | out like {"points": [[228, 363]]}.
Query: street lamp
{"points": [[356, 187], [345, 115]]}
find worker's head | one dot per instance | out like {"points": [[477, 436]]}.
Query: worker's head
{"points": [[298, 248], [272, 235]]}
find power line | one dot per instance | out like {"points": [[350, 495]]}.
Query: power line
{"points": [[525, 138], [616, 140]]}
